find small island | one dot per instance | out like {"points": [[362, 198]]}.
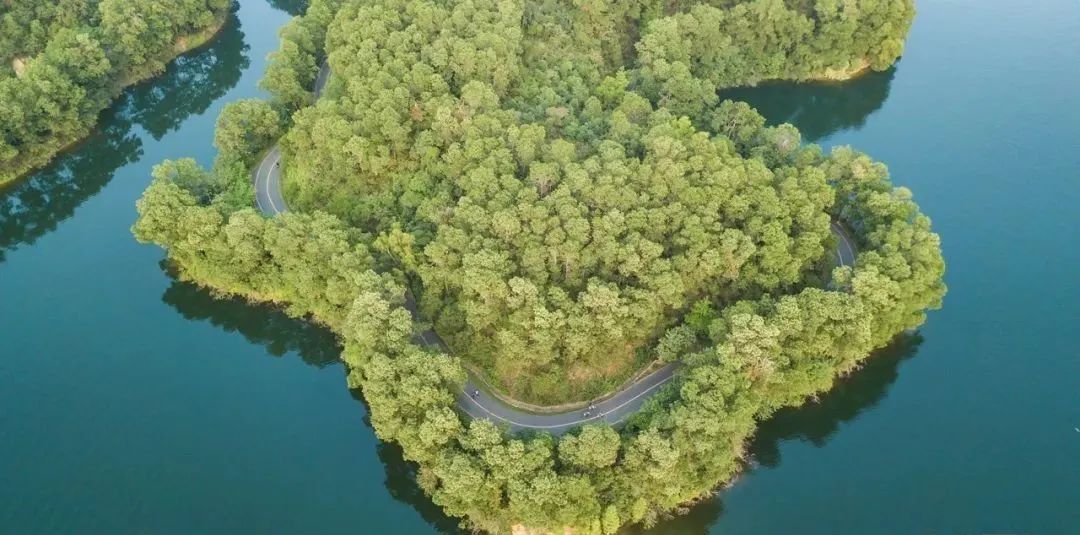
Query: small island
{"points": [[569, 280]]}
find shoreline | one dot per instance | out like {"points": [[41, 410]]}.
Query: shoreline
{"points": [[827, 76], [843, 75], [184, 45]]}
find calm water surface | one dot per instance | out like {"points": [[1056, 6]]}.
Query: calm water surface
{"points": [[132, 403]]}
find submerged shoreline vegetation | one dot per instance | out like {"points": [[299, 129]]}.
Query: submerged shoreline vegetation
{"points": [[62, 64], [562, 189]]}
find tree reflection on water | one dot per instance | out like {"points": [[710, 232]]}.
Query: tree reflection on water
{"points": [[814, 422], [818, 110], [35, 206]]}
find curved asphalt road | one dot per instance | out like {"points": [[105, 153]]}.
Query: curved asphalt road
{"points": [[845, 247], [611, 410], [267, 176]]}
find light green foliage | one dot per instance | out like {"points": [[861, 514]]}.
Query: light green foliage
{"points": [[246, 127], [611, 521], [685, 57], [290, 76], [310, 262], [550, 250], [76, 55], [759, 355], [595, 447], [26, 26], [562, 220], [676, 342], [900, 276]]}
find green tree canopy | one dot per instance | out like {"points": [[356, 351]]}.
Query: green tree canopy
{"points": [[558, 185], [62, 62]]}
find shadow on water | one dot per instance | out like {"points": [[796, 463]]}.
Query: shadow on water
{"points": [[35, 206], [814, 422], [401, 482], [292, 7], [817, 422], [261, 325], [317, 346], [190, 84], [818, 110]]}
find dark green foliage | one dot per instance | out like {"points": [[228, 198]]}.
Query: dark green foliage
{"points": [[62, 63], [562, 220]]}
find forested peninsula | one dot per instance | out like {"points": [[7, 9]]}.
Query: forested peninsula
{"points": [[63, 62], [561, 191]]}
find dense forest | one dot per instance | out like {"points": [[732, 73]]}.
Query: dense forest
{"points": [[562, 190], [62, 62]]}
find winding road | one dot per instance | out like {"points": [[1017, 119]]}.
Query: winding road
{"points": [[267, 176], [476, 401], [845, 245]]}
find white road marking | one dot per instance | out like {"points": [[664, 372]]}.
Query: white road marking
{"points": [[840, 232], [423, 335], [424, 338], [840, 257], [268, 197], [258, 176], [321, 80], [575, 422]]}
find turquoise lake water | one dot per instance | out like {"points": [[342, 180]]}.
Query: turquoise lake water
{"points": [[132, 403]]}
